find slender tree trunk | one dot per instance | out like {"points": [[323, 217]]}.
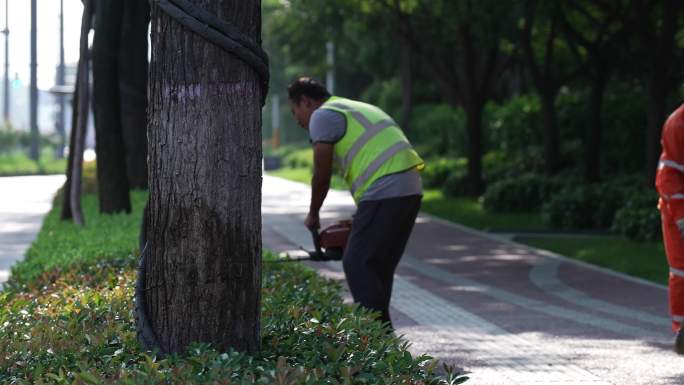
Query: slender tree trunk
{"points": [[133, 68], [406, 86], [657, 101], [111, 162], [71, 206], [551, 134], [66, 190], [474, 130], [661, 84], [203, 266], [593, 133]]}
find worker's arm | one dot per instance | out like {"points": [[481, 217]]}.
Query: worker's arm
{"points": [[320, 183]]}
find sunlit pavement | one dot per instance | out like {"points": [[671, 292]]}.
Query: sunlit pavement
{"points": [[24, 201], [507, 313]]}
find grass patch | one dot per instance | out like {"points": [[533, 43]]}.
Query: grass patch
{"points": [[469, 212], [639, 259], [465, 210], [18, 163], [303, 175]]}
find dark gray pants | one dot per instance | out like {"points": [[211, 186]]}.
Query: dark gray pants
{"points": [[378, 237]]}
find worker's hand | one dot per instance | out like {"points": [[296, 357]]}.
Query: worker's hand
{"points": [[312, 221]]}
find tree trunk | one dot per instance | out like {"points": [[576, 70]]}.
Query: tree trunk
{"points": [[111, 162], [551, 134], [406, 86], [133, 68], [71, 204], [66, 190], [474, 130], [592, 141], [203, 266], [661, 84], [657, 101]]}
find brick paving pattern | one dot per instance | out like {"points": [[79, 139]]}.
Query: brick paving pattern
{"points": [[505, 312]]}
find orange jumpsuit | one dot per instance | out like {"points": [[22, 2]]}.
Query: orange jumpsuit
{"points": [[670, 185]]}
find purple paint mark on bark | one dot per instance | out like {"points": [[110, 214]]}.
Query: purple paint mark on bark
{"points": [[181, 93]]}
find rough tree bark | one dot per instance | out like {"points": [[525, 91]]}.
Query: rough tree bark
{"points": [[203, 263], [133, 69], [111, 163]]}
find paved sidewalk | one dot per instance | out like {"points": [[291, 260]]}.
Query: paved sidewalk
{"points": [[506, 312], [24, 201]]}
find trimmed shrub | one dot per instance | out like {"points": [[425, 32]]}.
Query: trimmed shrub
{"points": [[524, 193], [300, 158], [639, 219], [438, 129], [514, 125], [583, 207], [456, 184], [437, 170]]}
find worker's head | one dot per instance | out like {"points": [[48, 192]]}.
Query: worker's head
{"points": [[306, 95]]}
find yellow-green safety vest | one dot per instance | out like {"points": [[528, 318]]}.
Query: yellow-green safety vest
{"points": [[373, 145]]}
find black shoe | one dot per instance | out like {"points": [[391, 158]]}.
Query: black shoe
{"points": [[679, 342]]}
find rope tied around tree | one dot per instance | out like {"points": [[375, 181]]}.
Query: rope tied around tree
{"points": [[222, 34]]}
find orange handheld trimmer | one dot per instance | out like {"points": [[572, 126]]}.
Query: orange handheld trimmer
{"points": [[330, 242]]}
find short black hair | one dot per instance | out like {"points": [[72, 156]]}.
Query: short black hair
{"points": [[306, 86]]}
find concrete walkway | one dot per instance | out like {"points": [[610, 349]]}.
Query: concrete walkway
{"points": [[508, 313], [24, 201]]}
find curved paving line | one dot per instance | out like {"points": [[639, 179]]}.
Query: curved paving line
{"points": [[530, 304], [296, 233], [545, 276]]}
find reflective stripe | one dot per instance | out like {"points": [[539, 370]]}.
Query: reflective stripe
{"points": [[339, 105], [370, 131], [677, 272], [670, 163], [677, 196], [678, 318], [375, 165]]}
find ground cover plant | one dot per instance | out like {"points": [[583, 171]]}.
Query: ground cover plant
{"points": [[71, 322]]}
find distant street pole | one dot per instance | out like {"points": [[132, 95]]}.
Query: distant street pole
{"points": [[6, 87], [60, 83], [34, 86]]}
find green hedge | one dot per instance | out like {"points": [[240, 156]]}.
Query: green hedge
{"points": [[639, 218], [438, 170], [77, 325], [584, 207], [524, 193]]}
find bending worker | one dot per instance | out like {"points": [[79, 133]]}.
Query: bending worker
{"points": [[382, 171], [670, 185]]}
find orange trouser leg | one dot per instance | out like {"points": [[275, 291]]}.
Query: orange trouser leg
{"points": [[674, 248]]}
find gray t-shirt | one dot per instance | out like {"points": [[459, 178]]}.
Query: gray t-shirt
{"points": [[327, 126]]}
